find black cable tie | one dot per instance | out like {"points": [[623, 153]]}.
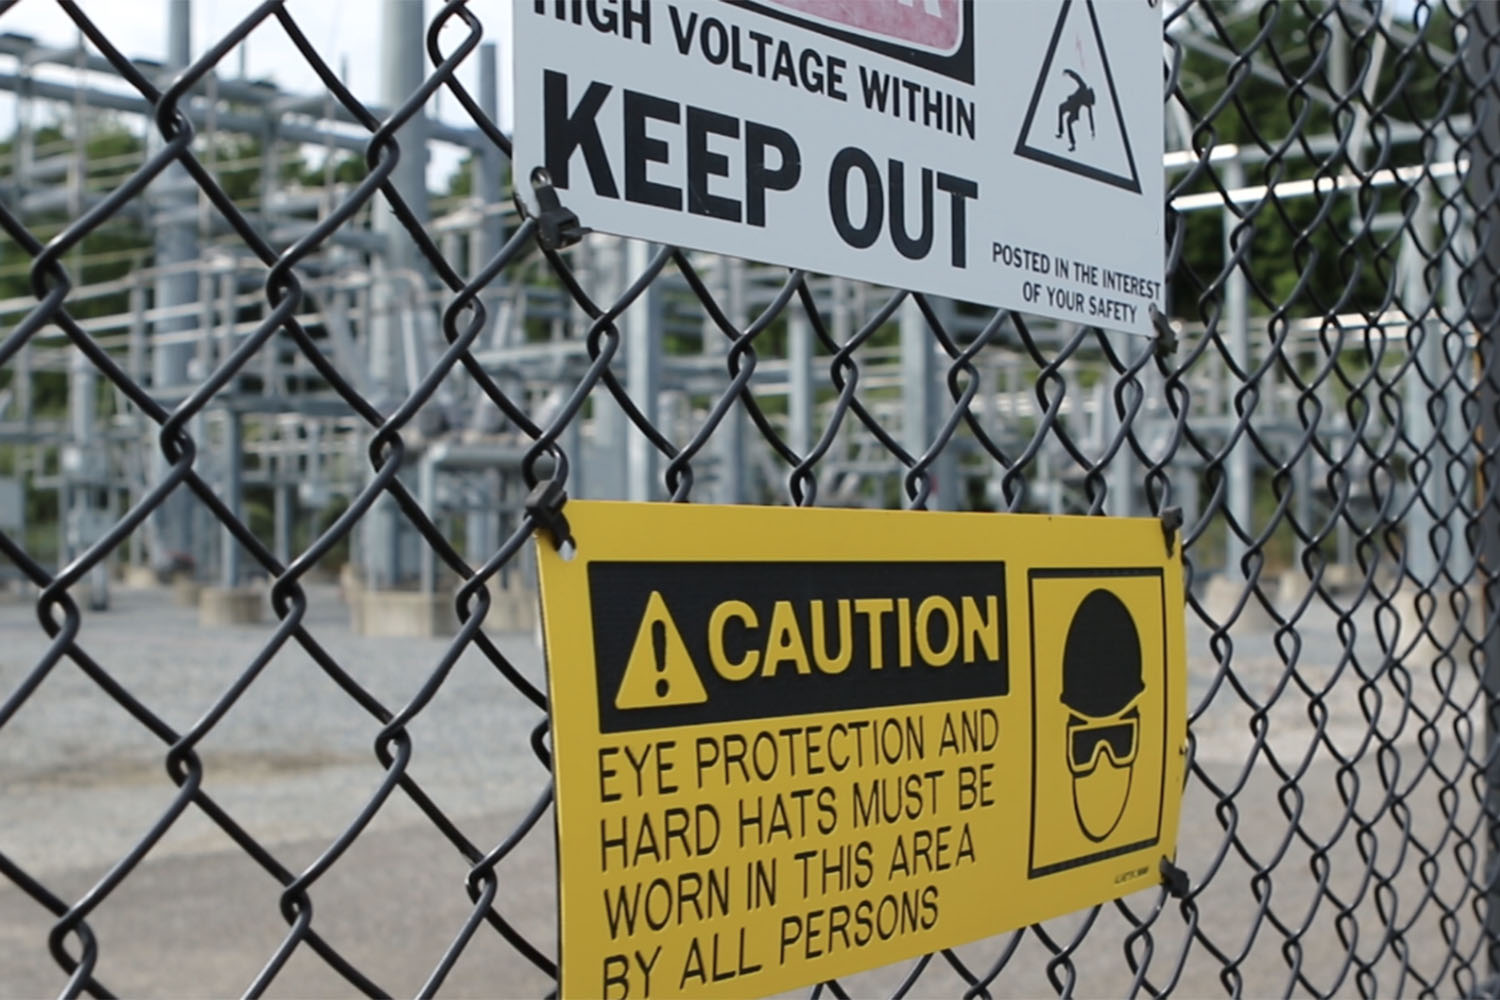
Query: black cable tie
{"points": [[545, 505], [1171, 520], [1175, 879], [556, 226], [1166, 334]]}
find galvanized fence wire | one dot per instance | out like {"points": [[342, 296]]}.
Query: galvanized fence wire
{"points": [[1339, 822]]}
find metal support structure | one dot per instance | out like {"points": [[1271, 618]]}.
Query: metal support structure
{"points": [[641, 330], [427, 471], [393, 297], [489, 181], [799, 393], [920, 400], [283, 511], [607, 459], [174, 199], [1239, 469], [1364, 383], [232, 457], [481, 527], [1124, 471], [729, 440], [1424, 553], [85, 472]]}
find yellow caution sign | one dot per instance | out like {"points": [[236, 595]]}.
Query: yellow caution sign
{"points": [[790, 745]]}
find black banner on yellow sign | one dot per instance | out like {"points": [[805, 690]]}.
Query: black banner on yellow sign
{"points": [[791, 745]]}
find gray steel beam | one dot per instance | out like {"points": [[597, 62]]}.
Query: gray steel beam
{"points": [[1239, 469], [1120, 476], [481, 528], [799, 381], [606, 459], [920, 420], [233, 495], [729, 440], [1423, 555], [402, 32], [641, 330], [284, 510], [315, 132], [176, 246]]}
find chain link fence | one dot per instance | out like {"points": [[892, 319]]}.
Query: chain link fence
{"points": [[343, 814]]}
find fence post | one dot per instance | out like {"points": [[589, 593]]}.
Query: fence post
{"points": [[1481, 292]]}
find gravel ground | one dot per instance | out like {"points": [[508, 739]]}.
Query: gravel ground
{"points": [[293, 760]]}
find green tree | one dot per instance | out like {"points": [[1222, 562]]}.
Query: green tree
{"points": [[1333, 251]]}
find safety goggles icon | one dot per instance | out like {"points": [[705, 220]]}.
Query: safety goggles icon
{"points": [[1088, 741]]}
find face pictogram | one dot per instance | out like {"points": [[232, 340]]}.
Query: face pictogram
{"points": [[1101, 684], [1100, 705]]}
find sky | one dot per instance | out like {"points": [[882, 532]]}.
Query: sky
{"points": [[346, 33]]}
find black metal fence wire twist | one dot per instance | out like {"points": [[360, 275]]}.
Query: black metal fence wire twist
{"points": [[1323, 860]]}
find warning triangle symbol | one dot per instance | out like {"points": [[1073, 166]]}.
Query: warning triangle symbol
{"points": [[1074, 121], [660, 671]]}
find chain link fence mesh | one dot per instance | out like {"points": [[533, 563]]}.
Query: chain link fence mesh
{"points": [[341, 814]]}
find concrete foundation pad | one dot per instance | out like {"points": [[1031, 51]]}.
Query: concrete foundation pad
{"points": [[139, 577], [401, 613], [1430, 626], [513, 610], [231, 605], [412, 613], [1224, 592], [1339, 578], [185, 591]]}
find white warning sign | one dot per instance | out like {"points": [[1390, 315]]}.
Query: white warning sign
{"points": [[1001, 153], [1076, 90]]}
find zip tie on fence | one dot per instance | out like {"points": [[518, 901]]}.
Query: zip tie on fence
{"points": [[556, 225], [545, 506], [1175, 879], [1166, 333], [1171, 520]]}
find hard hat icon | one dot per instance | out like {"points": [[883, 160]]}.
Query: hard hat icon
{"points": [[1101, 682], [1102, 658]]}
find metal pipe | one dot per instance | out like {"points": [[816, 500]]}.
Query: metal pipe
{"points": [[176, 247], [233, 459], [481, 527], [1423, 555], [427, 495], [916, 378], [1119, 477], [730, 437], [392, 300], [641, 329], [1239, 470], [284, 506], [606, 459], [799, 381], [354, 138]]}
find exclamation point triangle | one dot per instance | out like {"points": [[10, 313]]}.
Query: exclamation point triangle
{"points": [[1090, 138], [660, 671]]}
